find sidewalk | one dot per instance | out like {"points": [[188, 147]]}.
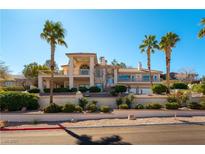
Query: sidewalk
{"points": [[120, 114]]}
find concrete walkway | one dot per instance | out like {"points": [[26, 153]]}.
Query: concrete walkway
{"points": [[40, 116]]}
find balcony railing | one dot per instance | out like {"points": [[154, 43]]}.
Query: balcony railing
{"points": [[135, 80], [84, 72]]}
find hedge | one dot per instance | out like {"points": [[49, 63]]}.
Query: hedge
{"points": [[69, 108], [15, 101], [35, 90], [105, 109], [123, 106], [53, 108], [179, 85], [57, 90], [200, 88], [172, 105], [13, 88], [94, 89], [83, 89], [153, 106], [139, 106], [159, 89]]}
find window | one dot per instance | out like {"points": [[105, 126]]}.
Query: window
{"points": [[145, 78], [124, 77]]}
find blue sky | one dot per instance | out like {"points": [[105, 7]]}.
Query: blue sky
{"points": [[115, 34]]}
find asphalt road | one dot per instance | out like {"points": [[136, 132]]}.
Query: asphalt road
{"points": [[153, 134]]}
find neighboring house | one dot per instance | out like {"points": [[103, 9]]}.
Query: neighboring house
{"points": [[14, 81], [83, 69]]}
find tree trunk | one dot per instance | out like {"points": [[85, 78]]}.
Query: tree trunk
{"points": [[52, 71], [168, 54], [149, 66]]}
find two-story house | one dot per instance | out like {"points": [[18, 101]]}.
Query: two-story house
{"points": [[83, 69]]}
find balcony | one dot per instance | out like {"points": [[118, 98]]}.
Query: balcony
{"points": [[84, 72], [135, 80]]}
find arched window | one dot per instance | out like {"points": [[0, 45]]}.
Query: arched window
{"points": [[84, 66]]}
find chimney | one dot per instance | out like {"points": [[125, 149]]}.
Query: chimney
{"points": [[139, 67], [103, 61]]}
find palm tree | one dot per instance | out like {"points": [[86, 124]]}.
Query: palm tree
{"points": [[201, 33], [166, 44], [53, 33], [148, 45]]}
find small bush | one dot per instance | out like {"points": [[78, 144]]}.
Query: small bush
{"points": [[90, 107], [172, 106], [153, 106], [83, 89], [159, 89], [139, 106], [120, 88], [15, 101], [194, 105], [119, 101], [129, 100], [179, 85], [73, 89], [94, 102], [113, 93], [123, 106], [199, 88], [105, 109], [78, 109], [202, 104], [53, 108], [69, 108], [94, 89], [83, 102], [14, 88], [35, 90]]}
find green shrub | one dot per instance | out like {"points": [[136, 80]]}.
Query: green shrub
{"points": [[53, 108], [120, 88], [35, 90], [129, 100], [15, 101], [199, 88], [94, 89], [73, 89], [159, 89], [180, 97], [123, 106], [139, 106], [113, 93], [194, 105], [69, 108], [56, 90], [78, 109], [119, 101], [179, 85], [202, 104], [94, 102], [83, 89], [153, 106], [172, 105], [83, 102], [14, 88], [105, 109], [91, 107]]}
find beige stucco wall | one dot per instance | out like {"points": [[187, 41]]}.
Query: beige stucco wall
{"points": [[110, 101]]}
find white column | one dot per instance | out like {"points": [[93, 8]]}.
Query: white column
{"points": [[115, 76], [92, 71], [40, 83], [104, 77], [71, 73]]}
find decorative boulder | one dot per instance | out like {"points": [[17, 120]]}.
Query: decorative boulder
{"points": [[131, 117], [3, 123]]}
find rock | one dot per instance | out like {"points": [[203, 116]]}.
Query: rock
{"points": [[3, 123], [131, 117]]}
